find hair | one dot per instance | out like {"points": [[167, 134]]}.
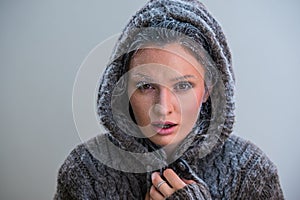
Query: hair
{"points": [[162, 22], [167, 32]]}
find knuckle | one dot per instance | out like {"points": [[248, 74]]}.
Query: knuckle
{"points": [[169, 193], [152, 191]]}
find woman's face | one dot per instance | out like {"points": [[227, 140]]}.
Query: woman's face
{"points": [[166, 90]]}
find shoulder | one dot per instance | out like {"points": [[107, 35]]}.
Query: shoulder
{"points": [[241, 157], [83, 175], [258, 174], [74, 180], [247, 154], [77, 158], [82, 160]]}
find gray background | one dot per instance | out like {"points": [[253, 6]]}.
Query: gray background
{"points": [[43, 43]]}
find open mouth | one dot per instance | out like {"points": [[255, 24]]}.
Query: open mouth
{"points": [[164, 127]]}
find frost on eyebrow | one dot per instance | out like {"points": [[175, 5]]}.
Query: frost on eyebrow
{"points": [[185, 77], [139, 75]]}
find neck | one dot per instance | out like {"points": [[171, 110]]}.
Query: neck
{"points": [[170, 149]]}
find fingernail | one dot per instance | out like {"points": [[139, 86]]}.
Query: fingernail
{"points": [[153, 175]]}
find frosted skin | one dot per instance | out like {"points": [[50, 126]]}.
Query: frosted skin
{"points": [[172, 91]]}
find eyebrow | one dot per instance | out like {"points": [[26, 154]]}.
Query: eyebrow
{"points": [[148, 78], [184, 77], [179, 78]]}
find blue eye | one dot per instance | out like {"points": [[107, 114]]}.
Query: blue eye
{"points": [[183, 86], [143, 86]]}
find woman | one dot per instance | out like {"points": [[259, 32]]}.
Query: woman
{"points": [[166, 102]]}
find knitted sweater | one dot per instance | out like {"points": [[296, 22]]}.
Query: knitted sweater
{"points": [[117, 164], [237, 170]]}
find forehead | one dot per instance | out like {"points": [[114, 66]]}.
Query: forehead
{"points": [[171, 56]]}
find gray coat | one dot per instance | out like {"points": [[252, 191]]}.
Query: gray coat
{"points": [[118, 163]]}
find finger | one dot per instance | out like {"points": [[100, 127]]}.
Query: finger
{"points": [[164, 188], [154, 194], [174, 180], [147, 197], [188, 181]]}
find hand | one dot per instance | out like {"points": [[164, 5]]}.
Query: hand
{"points": [[161, 190]]}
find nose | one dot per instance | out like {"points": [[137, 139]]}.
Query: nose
{"points": [[164, 104]]}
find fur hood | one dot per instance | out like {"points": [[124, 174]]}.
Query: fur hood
{"points": [[216, 118]]}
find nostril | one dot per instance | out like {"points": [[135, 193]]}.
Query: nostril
{"points": [[160, 109]]}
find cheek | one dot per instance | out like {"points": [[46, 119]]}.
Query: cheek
{"points": [[140, 108], [191, 103], [190, 108], [190, 112]]}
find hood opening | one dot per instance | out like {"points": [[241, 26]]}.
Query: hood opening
{"points": [[193, 27]]}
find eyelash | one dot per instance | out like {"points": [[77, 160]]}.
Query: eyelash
{"points": [[187, 85], [178, 87], [142, 86]]}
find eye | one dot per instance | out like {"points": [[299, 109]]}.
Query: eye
{"points": [[183, 86], [144, 86]]}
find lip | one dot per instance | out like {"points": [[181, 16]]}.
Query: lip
{"points": [[161, 127]]}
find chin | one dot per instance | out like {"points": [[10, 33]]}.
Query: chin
{"points": [[163, 141]]}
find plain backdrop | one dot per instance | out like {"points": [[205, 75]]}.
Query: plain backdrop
{"points": [[43, 43]]}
